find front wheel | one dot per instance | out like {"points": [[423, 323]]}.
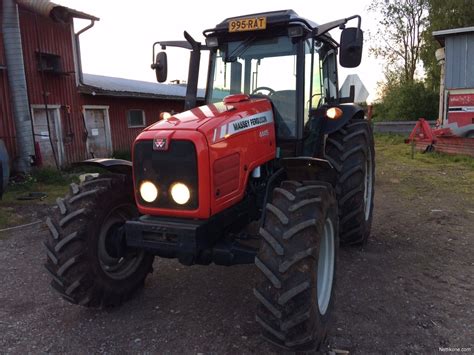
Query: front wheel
{"points": [[86, 253], [297, 261]]}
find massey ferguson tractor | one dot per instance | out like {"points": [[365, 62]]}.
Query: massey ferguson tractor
{"points": [[275, 169]]}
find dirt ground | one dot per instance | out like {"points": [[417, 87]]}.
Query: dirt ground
{"points": [[410, 290]]}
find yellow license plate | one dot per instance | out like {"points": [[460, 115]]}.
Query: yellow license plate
{"points": [[248, 24]]}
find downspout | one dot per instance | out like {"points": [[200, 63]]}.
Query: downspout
{"points": [[18, 88], [441, 59], [78, 51]]}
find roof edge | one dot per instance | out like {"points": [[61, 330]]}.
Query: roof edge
{"points": [[452, 31], [96, 91], [56, 12]]}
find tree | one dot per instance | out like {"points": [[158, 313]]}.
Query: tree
{"points": [[442, 15], [399, 37], [405, 101]]}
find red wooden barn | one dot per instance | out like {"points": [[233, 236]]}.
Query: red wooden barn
{"points": [[61, 115]]}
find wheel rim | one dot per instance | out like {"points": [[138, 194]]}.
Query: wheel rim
{"points": [[115, 267], [326, 262], [368, 181]]}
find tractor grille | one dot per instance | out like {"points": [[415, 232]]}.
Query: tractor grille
{"points": [[163, 168]]}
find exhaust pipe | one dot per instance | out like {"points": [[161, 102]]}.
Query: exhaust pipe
{"points": [[18, 88]]}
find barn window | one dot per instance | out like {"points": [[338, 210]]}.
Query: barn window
{"points": [[136, 118], [50, 63]]}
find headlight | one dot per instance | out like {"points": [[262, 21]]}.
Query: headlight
{"points": [[180, 193], [334, 113], [148, 191]]}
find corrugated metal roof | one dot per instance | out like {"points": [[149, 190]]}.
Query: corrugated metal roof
{"points": [[107, 85]]}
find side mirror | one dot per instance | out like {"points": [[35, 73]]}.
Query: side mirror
{"points": [[351, 47], [161, 67]]}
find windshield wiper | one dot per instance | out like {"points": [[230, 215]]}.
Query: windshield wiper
{"points": [[241, 48]]}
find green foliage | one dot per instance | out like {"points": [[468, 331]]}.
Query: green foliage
{"points": [[122, 154], [403, 38], [406, 101], [399, 42], [41, 176], [399, 34], [442, 15], [50, 176]]}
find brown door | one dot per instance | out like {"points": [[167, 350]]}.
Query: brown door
{"points": [[97, 133], [49, 139]]}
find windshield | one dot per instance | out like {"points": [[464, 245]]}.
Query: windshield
{"points": [[263, 66], [245, 66]]}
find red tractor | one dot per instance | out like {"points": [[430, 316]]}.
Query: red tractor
{"points": [[275, 169]]}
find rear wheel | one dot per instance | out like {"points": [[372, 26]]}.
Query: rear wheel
{"points": [[297, 260], [351, 151], [86, 254]]}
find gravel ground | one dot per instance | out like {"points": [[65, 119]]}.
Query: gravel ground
{"points": [[410, 290]]}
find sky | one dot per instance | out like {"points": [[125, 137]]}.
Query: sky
{"points": [[120, 44]]}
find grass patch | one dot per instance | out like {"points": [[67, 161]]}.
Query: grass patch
{"points": [[425, 173], [9, 217], [49, 181]]}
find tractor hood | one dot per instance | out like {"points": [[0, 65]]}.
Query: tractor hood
{"points": [[236, 113], [193, 118]]}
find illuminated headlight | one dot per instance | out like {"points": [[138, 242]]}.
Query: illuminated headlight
{"points": [[148, 191], [334, 113], [180, 193]]}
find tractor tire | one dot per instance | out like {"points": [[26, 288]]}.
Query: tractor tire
{"points": [[297, 260], [351, 152], [84, 263]]}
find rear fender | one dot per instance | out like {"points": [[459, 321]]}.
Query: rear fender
{"points": [[116, 166], [320, 125]]}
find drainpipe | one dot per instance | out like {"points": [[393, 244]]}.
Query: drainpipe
{"points": [[18, 88], [441, 58], [78, 51]]}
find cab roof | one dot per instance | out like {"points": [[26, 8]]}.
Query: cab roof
{"points": [[280, 18]]}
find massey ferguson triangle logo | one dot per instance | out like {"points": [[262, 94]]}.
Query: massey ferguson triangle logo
{"points": [[160, 143]]}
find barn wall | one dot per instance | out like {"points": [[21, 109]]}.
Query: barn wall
{"points": [[122, 135], [7, 128], [460, 61], [61, 90], [41, 34]]}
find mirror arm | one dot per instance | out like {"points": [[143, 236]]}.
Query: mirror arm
{"points": [[164, 44], [153, 66], [320, 30]]}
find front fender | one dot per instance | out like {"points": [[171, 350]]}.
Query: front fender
{"points": [[299, 169], [308, 168], [116, 166]]}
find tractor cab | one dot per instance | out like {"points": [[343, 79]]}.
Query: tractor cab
{"points": [[279, 56]]}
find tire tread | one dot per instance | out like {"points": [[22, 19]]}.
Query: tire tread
{"points": [[347, 150], [288, 253]]}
